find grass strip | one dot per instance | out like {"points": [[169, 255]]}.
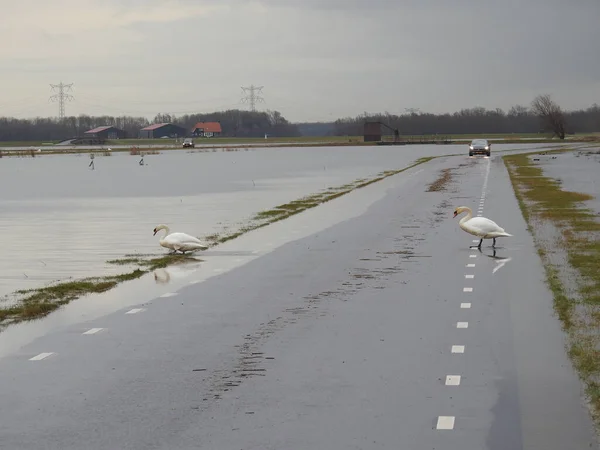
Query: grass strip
{"points": [[576, 299]]}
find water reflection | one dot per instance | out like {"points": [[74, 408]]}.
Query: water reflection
{"points": [[500, 260], [175, 272]]}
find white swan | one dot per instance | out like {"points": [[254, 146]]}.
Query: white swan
{"points": [[179, 241], [479, 226]]}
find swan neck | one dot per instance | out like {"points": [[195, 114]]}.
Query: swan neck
{"points": [[166, 232], [469, 216]]}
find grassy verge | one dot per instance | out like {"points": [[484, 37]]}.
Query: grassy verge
{"points": [[572, 266], [37, 303]]}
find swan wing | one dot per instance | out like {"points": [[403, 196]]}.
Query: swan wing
{"points": [[484, 226], [184, 241]]}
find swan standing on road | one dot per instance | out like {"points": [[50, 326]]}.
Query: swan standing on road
{"points": [[179, 241], [479, 226]]}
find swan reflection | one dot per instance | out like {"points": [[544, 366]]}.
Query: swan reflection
{"points": [[500, 260]]}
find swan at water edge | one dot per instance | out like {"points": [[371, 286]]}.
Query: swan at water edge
{"points": [[479, 226], [179, 241]]}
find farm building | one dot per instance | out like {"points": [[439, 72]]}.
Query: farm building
{"points": [[207, 129], [107, 132], [159, 130], [372, 132]]}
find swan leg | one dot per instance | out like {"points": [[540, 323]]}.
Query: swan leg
{"points": [[494, 242], [477, 246]]}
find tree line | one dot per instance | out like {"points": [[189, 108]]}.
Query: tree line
{"points": [[234, 123], [543, 115]]}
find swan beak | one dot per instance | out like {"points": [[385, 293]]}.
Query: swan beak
{"points": [[455, 214], [154, 233]]}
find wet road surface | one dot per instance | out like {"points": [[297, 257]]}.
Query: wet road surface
{"points": [[382, 331]]}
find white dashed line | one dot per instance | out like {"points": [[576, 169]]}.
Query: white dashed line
{"points": [[452, 380], [462, 324], [465, 305], [135, 310], [475, 240], [472, 256], [169, 294], [93, 331], [445, 423], [470, 265], [41, 356], [468, 289], [458, 349], [469, 276]]}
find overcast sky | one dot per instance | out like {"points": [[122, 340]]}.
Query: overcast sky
{"points": [[317, 59]]}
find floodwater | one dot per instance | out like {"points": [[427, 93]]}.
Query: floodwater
{"points": [[61, 219], [578, 171]]}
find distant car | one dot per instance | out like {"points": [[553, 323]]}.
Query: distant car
{"points": [[480, 147], [188, 142]]}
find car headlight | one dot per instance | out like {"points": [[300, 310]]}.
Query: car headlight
{"points": [[487, 147]]}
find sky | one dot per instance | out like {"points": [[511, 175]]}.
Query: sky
{"points": [[317, 60]]}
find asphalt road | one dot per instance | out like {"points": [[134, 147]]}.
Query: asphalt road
{"points": [[382, 331]]}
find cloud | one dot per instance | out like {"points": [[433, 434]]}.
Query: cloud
{"points": [[315, 58]]}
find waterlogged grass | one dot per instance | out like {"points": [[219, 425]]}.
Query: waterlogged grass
{"points": [[38, 303], [542, 200], [441, 182]]}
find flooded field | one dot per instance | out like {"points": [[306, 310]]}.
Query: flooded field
{"points": [[61, 218], [578, 171]]}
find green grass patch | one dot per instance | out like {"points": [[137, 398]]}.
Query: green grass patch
{"points": [[38, 303]]}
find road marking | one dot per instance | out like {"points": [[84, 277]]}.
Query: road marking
{"points": [[472, 256], [41, 356], [467, 289], [93, 330], [458, 349], [470, 265], [469, 276], [465, 305], [135, 310], [479, 215], [445, 423], [452, 380], [475, 240], [462, 324], [169, 294]]}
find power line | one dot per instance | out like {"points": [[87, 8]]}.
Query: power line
{"points": [[252, 97], [61, 97]]}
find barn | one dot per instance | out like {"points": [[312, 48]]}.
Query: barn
{"points": [[107, 132], [159, 130], [207, 129]]}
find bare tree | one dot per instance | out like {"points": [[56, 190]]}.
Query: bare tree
{"points": [[550, 114]]}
